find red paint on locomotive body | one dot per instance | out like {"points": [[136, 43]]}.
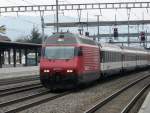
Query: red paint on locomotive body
{"points": [[91, 60], [66, 63]]}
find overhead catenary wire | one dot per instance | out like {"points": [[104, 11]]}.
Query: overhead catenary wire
{"points": [[30, 3], [12, 2]]}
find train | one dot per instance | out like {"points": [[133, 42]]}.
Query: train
{"points": [[69, 59]]}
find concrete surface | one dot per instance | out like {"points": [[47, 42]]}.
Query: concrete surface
{"points": [[146, 105], [18, 72]]}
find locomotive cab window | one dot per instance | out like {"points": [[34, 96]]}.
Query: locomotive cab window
{"points": [[78, 51], [59, 52]]}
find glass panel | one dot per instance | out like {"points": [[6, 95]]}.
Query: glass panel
{"points": [[59, 52]]}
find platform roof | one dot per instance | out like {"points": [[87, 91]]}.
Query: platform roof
{"points": [[7, 44]]}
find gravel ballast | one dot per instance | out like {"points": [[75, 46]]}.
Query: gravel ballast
{"points": [[83, 99]]}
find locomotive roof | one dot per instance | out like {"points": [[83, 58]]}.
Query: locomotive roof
{"points": [[134, 48], [72, 38], [117, 48], [110, 47], [69, 38]]}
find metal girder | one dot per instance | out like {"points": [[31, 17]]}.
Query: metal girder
{"points": [[125, 42], [86, 6], [101, 23], [120, 35]]}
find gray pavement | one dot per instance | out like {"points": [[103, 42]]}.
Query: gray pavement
{"points": [[7, 73], [146, 105]]}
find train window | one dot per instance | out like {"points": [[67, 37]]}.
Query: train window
{"points": [[78, 51], [112, 56], [102, 56], [118, 57], [105, 56], [59, 52], [108, 56], [115, 57]]}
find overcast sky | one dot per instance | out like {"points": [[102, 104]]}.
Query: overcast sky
{"points": [[107, 14], [136, 14]]}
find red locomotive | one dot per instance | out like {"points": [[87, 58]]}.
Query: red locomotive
{"points": [[70, 59]]}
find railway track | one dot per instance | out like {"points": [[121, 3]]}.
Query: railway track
{"points": [[18, 80], [9, 91], [104, 102], [134, 100], [4, 104], [27, 102], [36, 100]]}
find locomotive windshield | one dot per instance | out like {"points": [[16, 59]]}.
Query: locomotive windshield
{"points": [[59, 52]]}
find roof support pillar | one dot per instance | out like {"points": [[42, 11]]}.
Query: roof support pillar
{"points": [[0, 58], [20, 56], [36, 56], [9, 58], [26, 56], [14, 57], [3, 58]]}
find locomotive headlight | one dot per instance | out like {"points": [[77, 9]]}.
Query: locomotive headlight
{"points": [[46, 71], [69, 71]]}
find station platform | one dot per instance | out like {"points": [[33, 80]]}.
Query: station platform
{"points": [[8, 73], [145, 108]]}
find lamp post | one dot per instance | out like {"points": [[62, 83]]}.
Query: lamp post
{"points": [[98, 26], [128, 13], [57, 18]]}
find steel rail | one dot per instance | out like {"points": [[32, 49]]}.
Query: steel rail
{"points": [[32, 104], [14, 88], [134, 100], [83, 6], [20, 90], [109, 98], [17, 80], [23, 99]]}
